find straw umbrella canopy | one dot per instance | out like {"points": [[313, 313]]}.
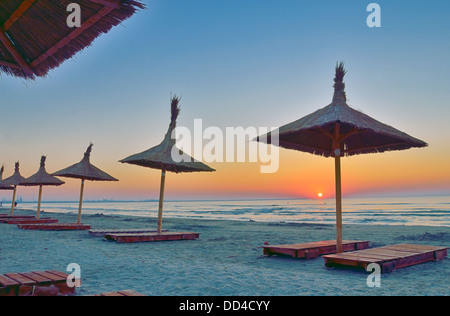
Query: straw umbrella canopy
{"points": [[84, 170], [160, 157], [338, 130], [2, 185], [14, 181], [41, 178], [35, 36]]}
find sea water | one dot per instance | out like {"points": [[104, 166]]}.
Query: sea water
{"points": [[423, 211]]}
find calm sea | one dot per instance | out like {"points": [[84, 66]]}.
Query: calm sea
{"points": [[425, 211]]}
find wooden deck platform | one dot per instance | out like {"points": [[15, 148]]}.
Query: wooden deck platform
{"points": [[389, 257], [121, 293], [312, 250], [55, 226], [144, 237], [37, 283], [104, 232], [7, 217], [29, 221]]}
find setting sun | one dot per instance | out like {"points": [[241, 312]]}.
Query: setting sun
{"points": [[319, 195]]}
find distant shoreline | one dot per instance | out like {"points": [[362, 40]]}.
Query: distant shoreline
{"points": [[235, 199]]}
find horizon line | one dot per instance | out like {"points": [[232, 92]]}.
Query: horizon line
{"points": [[233, 199]]}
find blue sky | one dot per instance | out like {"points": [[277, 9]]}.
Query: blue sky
{"points": [[235, 63]]}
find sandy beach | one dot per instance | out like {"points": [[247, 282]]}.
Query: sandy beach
{"points": [[227, 259]]}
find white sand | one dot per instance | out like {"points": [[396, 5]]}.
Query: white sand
{"points": [[226, 260]]}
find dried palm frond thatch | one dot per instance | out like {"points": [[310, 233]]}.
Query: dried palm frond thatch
{"points": [[42, 177], [85, 170], [35, 37], [2, 185], [16, 178], [314, 133], [160, 156], [14, 181]]}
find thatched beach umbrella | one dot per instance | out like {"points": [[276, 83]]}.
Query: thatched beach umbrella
{"points": [[35, 36], [84, 170], [14, 181], [41, 178], [2, 185], [338, 130], [160, 157]]}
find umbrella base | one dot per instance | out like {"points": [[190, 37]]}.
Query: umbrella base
{"points": [[6, 217], [121, 293], [388, 258], [60, 226], [104, 232], [145, 237], [313, 250], [36, 283], [30, 221]]}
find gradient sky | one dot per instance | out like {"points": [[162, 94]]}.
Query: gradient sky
{"points": [[240, 63]]}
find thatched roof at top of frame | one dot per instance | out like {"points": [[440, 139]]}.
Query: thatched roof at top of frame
{"points": [[35, 37]]}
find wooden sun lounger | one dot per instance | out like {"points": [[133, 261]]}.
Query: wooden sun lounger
{"points": [[121, 293], [5, 220], [55, 226], [389, 257], [30, 221], [312, 250], [104, 232], [7, 217], [37, 283], [143, 237]]}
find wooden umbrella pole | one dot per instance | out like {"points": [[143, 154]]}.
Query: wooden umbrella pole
{"points": [[337, 167], [13, 200], [337, 160], [81, 201], [39, 202], [161, 200]]}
